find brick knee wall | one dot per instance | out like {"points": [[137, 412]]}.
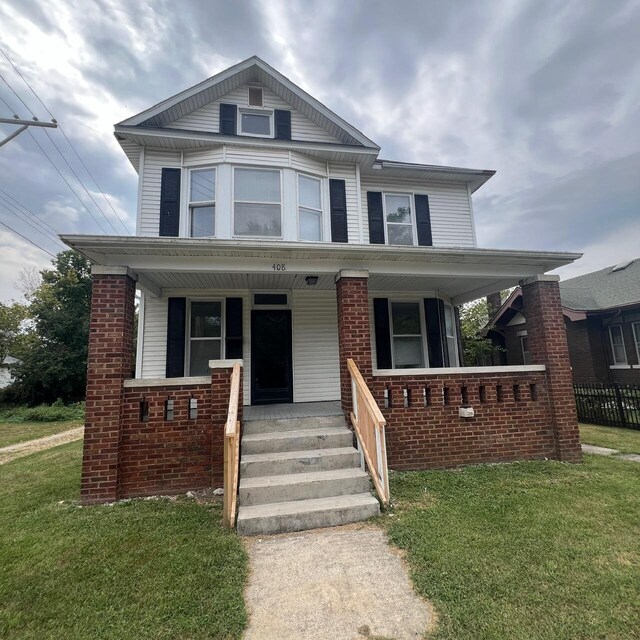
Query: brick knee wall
{"points": [[512, 419]]}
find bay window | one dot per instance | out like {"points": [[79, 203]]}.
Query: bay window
{"points": [[205, 335], [407, 335], [202, 202], [257, 203], [398, 219], [309, 208]]}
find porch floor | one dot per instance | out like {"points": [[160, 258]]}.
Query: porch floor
{"points": [[292, 410]]}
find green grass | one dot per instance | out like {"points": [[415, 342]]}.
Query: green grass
{"points": [[535, 550], [624, 440], [143, 569], [58, 411], [14, 432]]}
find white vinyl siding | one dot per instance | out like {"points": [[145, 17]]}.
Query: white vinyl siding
{"points": [[451, 222], [316, 368], [347, 172], [151, 178], [207, 118]]}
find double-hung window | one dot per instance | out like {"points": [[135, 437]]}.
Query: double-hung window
{"points": [[636, 338], [407, 335], [202, 203], [257, 203], [617, 344], [450, 335], [309, 208], [398, 219], [205, 336]]}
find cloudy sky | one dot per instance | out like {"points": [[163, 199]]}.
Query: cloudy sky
{"points": [[546, 93]]}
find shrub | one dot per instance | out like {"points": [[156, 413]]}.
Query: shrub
{"points": [[43, 413]]}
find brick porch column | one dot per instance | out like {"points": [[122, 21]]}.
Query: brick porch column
{"points": [[110, 361], [354, 336], [547, 343]]}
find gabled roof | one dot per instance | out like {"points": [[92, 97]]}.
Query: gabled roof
{"points": [[251, 70]]}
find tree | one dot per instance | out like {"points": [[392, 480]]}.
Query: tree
{"points": [[53, 360], [473, 318], [12, 318]]}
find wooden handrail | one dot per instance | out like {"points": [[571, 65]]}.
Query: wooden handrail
{"points": [[369, 425], [232, 451]]}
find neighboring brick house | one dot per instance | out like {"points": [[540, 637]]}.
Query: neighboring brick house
{"points": [[269, 231], [602, 320]]}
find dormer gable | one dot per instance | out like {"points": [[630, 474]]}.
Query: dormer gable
{"points": [[200, 106]]}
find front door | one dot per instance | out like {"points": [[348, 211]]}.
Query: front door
{"points": [[271, 359]]}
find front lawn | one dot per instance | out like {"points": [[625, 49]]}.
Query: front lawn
{"points": [[624, 440], [143, 569], [14, 432], [528, 550]]}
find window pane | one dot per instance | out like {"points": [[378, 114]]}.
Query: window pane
{"points": [[406, 318], [619, 355], [201, 352], [206, 319], [616, 334], [257, 219], [254, 123], [398, 209], [400, 234], [451, 348], [407, 353], [449, 323], [309, 192], [310, 225], [202, 222], [253, 185], [203, 185]]}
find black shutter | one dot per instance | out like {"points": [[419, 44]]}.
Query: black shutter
{"points": [[383, 332], [376, 217], [338, 205], [436, 337], [233, 328], [228, 119], [423, 219], [282, 123], [170, 203], [176, 337]]}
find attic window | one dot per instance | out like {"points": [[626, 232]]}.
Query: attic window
{"points": [[255, 96], [255, 122]]}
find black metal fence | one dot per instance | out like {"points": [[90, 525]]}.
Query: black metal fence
{"points": [[616, 405]]}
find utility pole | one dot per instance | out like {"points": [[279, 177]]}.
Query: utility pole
{"points": [[23, 126]]}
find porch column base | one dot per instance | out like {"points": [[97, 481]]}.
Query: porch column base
{"points": [[547, 343]]}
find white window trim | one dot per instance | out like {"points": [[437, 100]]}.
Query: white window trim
{"points": [[636, 337], [412, 204], [260, 111], [201, 203], [187, 354], [455, 332], [233, 202], [624, 348], [322, 182], [423, 333]]}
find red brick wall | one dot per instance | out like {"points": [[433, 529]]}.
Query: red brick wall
{"points": [[354, 337], [110, 361], [431, 436], [547, 341], [160, 456]]}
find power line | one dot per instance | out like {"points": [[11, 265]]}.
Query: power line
{"points": [[67, 183], [17, 96], [27, 239], [15, 68], [6, 104], [19, 204], [22, 218]]}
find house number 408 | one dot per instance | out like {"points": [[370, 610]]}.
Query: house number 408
{"points": [[279, 267]]}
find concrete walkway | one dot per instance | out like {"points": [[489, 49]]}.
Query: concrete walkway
{"points": [[31, 446], [343, 583], [605, 451]]}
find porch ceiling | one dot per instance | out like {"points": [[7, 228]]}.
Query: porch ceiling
{"points": [[188, 263]]}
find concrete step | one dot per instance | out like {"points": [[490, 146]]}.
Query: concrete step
{"points": [[316, 438], [285, 462], [250, 427], [283, 517], [302, 486]]}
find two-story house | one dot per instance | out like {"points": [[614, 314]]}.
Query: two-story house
{"points": [[269, 231]]}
